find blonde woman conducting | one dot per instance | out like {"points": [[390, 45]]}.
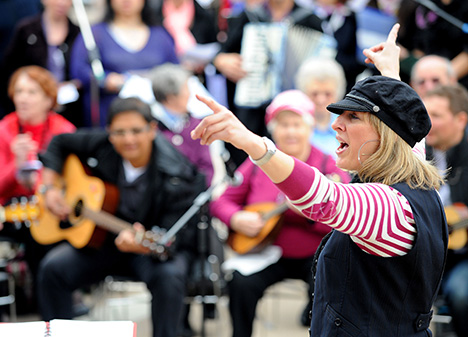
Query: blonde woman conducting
{"points": [[379, 271]]}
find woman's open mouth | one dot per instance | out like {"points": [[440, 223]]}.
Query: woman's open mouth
{"points": [[343, 146]]}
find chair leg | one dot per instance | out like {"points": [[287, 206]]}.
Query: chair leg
{"points": [[8, 286], [11, 290]]}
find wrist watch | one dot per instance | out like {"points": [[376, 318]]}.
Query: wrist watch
{"points": [[271, 150]]}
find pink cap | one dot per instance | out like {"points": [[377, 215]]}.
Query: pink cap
{"points": [[291, 100]]}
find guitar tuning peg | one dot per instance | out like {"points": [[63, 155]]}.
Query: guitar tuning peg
{"points": [[34, 199], [23, 201], [17, 224], [159, 249], [213, 259], [27, 223]]}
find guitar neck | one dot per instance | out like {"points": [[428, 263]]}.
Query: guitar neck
{"points": [[107, 221], [278, 210], [459, 225], [2, 214]]}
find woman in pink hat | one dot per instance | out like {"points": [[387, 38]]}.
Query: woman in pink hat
{"points": [[290, 120]]}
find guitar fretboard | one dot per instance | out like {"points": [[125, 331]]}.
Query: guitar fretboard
{"points": [[106, 220], [278, 210]]}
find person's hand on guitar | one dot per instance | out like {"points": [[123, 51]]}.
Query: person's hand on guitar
{"points": [[128, 242], [247, 223], [54, 199], [56, 204]]}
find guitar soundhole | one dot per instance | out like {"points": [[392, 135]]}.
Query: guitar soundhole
{"points": [[74, 217], [78, 209], [65, 225]]}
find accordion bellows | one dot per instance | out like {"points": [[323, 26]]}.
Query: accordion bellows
{"points": [[271, 54]]}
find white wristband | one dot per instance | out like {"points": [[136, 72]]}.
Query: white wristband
{"points": [[271, 150]]}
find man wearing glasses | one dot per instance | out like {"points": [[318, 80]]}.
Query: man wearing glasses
{"points": [[156, 186]]}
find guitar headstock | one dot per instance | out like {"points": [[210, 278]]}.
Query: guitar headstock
{"points": [[456, 213], [151, 239], [20, 210]]}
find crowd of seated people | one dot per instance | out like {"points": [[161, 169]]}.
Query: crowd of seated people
{"points": [[52, 106]]}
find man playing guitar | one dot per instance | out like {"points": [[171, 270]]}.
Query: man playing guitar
{"points": [[446, 144], [156, 185]]}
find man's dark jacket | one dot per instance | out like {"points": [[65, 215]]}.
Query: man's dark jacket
{"points": [[457, 178]]}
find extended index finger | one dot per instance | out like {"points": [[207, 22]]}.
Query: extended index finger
{"points": [[211, 103], [392, 36]]}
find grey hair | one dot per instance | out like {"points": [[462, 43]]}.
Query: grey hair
{"points": [[167, 79], [321, 69], [443, 61]]}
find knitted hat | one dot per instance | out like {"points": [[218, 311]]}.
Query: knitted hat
{"points": [[291, 100]]}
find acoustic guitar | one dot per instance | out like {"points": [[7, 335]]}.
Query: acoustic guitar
{"points": [[457, 220], [271, 214], [92, 202]]}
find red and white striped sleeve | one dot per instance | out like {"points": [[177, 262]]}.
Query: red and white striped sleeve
{"points": [[378, 218], [420, 149]]}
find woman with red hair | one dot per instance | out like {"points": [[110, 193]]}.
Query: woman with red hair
{"points": [[24, 134], [28, 130]]}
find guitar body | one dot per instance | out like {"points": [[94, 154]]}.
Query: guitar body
{"points": [[243, 244], [457, 220], [79, 188]]}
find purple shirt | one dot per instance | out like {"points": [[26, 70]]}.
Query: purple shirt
{"points": [[158, 50], [198, 154]]}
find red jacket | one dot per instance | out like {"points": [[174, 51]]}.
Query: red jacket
{"points": [[42, 134]]}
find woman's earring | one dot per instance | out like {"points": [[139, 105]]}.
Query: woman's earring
{"points": [[364, 154]]}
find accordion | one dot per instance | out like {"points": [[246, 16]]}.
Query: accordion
{"points": [[271, 54]]}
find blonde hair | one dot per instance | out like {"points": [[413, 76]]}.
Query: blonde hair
{"points": [[394, 162]]}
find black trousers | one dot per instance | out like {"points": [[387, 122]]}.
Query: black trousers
{"points": [[65, 269], [246, 291]]}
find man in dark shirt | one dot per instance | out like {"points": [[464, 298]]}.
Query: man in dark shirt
{"points": [[447, 145], [156, 186]]}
